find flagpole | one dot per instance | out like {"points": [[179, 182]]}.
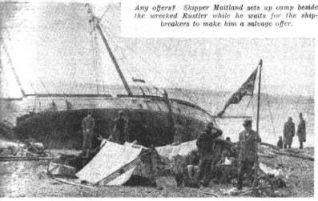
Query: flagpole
{"points": [[259, 95], [257, 118]]}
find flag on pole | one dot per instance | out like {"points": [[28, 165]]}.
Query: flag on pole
{"points": [[246, 89]]}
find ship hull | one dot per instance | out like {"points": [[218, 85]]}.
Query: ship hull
{"points": [[151, 121]]}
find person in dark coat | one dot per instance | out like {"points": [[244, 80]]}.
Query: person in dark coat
{"points": [[120, 134], [179, 133], [248, 140], [301, 131], [289, 133], [88, 125], [205, 144]]}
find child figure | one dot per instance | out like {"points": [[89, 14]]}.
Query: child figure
{"points": [[280, 143]]}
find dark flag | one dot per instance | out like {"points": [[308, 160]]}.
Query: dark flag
{"points": [[246, 89]]}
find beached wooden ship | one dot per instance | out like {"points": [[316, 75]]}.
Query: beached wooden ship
{"points": [[152, 117]]}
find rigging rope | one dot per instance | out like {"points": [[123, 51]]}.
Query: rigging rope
{"points": [[102, 16], [147, 63], [162, 76], [269, 109], [94, 54], [13, 69], [10, 61], [117, 43]]}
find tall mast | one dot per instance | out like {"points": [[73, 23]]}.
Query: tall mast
{"points": [[95, 20], [259, 95], [15, 74]]}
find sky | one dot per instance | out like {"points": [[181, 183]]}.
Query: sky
{"points": [[51, 44]]}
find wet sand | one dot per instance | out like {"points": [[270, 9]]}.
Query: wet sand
{"points": [[29, 179]]}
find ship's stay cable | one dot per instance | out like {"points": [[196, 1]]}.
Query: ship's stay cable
{"points": [[269, 108], [153, 69], [94, 55], [17, 78], [37, 77], [137, 73], [142, 59], [125, 46], [104, 13], [120, 48], [297, 103], [13, 69], [34, 101], [96, 58]]}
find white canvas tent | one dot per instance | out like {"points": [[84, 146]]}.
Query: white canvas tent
{"points": [[114, 164]]}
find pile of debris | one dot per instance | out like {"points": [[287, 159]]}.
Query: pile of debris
{"points": [[117, 164], [10, 150]]}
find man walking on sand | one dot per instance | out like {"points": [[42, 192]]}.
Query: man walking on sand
{"points": [[289, 133], [301, 131]]}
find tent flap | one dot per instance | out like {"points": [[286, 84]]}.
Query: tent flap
{"points": [[183, 149], [112, 165]]}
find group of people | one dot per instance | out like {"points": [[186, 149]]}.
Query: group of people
{"points": [[118, 135], [206, 141], [289, 133], [247, 155]]}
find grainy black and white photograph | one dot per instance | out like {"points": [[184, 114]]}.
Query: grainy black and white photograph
{"points": [[86, 112]]}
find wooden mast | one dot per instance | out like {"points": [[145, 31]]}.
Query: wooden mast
{"points": [[95, 22]]}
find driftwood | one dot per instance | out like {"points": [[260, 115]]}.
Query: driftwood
{"points": [[269, 145], [17, 158], [267, 155], [290, 154], [248, 190], [209, 193], [72, 183]]}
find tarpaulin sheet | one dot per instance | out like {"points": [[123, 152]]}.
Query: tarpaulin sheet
{"points": [[113, 161], [182, 149]]}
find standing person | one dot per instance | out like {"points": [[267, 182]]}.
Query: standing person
{"points": [[88, 125], [179, 134], [120, 134], [301, 131], [289, 133], [248, 140], [205, 144]]}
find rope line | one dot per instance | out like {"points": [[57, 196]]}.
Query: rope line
{"points": [[147, 63]]}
